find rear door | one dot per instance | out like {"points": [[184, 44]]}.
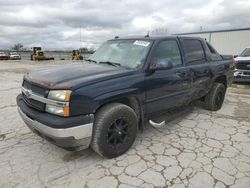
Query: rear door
{"points": [[167, 88], [198, 65]]}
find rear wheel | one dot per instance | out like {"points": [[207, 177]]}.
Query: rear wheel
{"points": [[115, 129], [215, 98]]}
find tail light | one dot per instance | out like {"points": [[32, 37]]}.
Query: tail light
{"points": [[234, 63]]}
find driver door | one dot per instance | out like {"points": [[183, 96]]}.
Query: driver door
{"points": [[167, 88]]}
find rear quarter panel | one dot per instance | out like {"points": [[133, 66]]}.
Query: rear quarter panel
{"points": [[223, 68]]}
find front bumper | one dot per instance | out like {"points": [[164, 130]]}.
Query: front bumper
{"points": [[242, 76], [71, 137]]}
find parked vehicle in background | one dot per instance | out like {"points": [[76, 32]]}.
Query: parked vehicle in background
{"points": [[127, 81], [4, 56], [15, 56], [242, 64]]}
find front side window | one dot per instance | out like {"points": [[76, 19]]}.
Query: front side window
{"points": [[125, 53], [168, 51], [194, 51]]}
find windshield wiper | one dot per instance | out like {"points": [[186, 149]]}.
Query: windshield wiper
{"points": [[91, 60], [110, 63]]}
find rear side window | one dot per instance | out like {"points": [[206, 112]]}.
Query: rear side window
{"points": [[214, 54], [211, 49], [194, 51], [168, 50]]}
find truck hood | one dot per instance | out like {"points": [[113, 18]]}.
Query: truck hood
{"points": [[69, 76]]}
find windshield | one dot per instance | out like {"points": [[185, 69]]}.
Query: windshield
{"points": [[245, 53], [125, 53]]}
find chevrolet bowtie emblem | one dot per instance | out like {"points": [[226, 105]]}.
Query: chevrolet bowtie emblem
{"points": [[28, 93]]}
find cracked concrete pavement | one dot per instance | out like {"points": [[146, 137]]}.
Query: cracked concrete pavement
{"points": [[197, 149]]}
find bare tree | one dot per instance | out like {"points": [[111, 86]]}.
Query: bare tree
{"points": [[87, 50], [91, 50], [17, 47], [159, 31]]}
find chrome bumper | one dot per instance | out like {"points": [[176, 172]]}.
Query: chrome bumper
{"points": [[78, 137], [242, 73], [241, 76]]}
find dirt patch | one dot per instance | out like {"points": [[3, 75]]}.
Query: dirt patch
{"points": [[72, 156], [242, 111], [2, 137], [17, 70], [244, 89]]}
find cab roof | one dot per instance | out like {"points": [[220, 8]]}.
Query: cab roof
{"points": [[153, 37]]}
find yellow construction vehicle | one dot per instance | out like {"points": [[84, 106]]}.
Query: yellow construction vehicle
{"points": [[76, 55], [38, 54]]}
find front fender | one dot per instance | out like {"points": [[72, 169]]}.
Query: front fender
{"points": [[88, 99], [114, 95]]}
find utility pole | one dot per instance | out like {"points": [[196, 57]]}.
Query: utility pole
{"points": [[80, 37]]}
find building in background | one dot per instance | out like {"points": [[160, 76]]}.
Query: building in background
{"points": [[232, 41]]}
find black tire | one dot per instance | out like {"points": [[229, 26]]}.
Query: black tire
{"points": [[114, 131], [214, 99]]}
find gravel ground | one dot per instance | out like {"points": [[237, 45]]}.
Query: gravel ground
{"points": [[198, 149]]}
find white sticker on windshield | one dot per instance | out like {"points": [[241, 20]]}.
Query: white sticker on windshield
{"points": [[141, 43]]}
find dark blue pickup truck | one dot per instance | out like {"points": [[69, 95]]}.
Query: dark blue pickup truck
{"points": [[104, 101]]}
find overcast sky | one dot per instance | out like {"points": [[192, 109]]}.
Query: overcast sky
{"points": [[55, 24]]}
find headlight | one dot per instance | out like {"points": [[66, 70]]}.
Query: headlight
{"points": [[59, 95], [62, 96], [54, 109]]}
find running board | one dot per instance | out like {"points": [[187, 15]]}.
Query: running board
{"points": [[157, 125]]}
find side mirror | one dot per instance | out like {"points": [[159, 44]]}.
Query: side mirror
{"points": [[162, 64]]}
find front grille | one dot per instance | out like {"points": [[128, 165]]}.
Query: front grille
{"points": [[34, 104], [34, 88], [246, 73], [37, 90], [243, 65]]}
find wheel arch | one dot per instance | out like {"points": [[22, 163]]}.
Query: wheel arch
{"points": [[131, 101], [222, 79]]}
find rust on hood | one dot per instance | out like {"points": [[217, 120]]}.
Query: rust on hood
{"points": [[46, 83], [69, 76]]}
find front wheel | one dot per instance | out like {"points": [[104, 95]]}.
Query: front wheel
{"points": [[215, 98], [115, 129]]}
